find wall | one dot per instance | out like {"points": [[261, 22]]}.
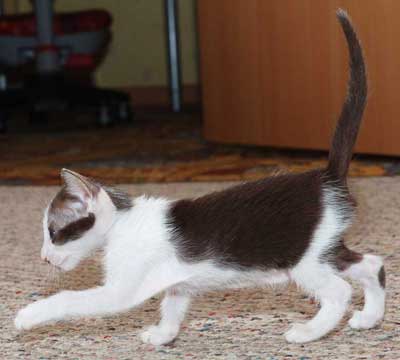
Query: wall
{"points": [[137, 55]]}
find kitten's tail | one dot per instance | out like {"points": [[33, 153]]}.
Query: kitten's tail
{"points": [[348, 125]]}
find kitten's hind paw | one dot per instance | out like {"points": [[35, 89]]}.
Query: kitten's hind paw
{"points": [[301, 333], [361, 320], [158, 335]]}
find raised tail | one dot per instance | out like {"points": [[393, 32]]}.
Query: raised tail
{"points": [[348, 125]]}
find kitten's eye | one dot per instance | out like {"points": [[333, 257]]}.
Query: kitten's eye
{"points": [[51, 233]]}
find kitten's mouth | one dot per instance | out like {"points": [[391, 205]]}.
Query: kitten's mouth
{"points": [[57, 267], [60, 266], [66, 264], [54, 266]]}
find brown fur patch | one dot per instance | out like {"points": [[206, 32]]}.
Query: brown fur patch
{"points": [[74, 230], [64, 209], [62, 197], [267, 223], [342, 257], [382, 277], [350, 118], [121, 200]]}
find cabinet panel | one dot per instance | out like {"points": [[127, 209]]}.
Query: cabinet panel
{"points": [[274, 72]]}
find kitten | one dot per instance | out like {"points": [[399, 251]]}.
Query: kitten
{"points": [[286, 228]]}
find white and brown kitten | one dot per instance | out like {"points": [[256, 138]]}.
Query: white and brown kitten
{"points": [[286, 228]]}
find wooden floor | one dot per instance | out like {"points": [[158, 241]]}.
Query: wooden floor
{"points": [[155, 147]]}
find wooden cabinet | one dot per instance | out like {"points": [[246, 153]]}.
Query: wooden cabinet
{"points": [[274, 72]]}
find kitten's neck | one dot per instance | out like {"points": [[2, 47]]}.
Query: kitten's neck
{"points": [[106, 216], [145, 217]]}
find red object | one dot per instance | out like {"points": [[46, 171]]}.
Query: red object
{"points": [[64, 23], [46, 48], [82, 61]]}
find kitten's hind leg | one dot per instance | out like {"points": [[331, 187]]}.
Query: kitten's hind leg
{"points": [[333, 294], [173, 310], [369, 271]]}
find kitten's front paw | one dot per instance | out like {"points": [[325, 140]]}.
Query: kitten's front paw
{"points": [[301, 333], [157, 335], [29, 316]]}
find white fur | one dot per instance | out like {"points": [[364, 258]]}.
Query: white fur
{"points": [[321, 280], [140, 262], [366, 272], [173, 309]]}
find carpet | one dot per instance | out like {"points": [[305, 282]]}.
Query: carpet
{"points": [[245, 324], [154, 148]]}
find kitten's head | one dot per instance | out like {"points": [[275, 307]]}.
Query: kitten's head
{"points": [[76, 221]]}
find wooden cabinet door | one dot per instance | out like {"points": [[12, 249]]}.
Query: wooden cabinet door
{"points": [[274, 72]]}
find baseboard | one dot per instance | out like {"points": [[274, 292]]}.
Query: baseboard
{"points": [[159, 96]]}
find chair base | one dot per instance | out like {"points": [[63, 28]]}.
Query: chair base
{"points": [[48, 93]]}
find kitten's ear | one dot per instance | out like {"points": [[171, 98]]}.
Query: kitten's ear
{"points": [[79, 185]]}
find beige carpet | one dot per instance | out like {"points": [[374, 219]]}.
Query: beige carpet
{"points": [[221, 325]]}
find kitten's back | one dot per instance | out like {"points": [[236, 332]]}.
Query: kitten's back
{"points": [[265, 224]]}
